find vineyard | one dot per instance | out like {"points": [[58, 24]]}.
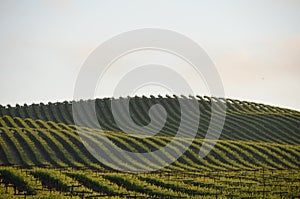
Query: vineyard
{"points": [[257, 155], [76, 183]]}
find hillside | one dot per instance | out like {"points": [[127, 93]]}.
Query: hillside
{"points": [[43, 156], [244, 120], [29, 142], [254, 135]]}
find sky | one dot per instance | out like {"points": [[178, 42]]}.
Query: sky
{"points": [[255, 45]]}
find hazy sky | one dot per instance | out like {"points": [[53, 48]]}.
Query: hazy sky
{"points": [[254, 44]]}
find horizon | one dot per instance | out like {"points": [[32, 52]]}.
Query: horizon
{"points": [[148, 96]]}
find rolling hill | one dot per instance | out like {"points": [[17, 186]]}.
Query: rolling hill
{"points": [[255, 137]]}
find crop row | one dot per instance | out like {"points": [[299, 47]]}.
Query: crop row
{"points": [[59, 145], [244, 120], [49, 183]]}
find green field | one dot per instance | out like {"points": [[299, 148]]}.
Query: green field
{"points": [[257, 155]]}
